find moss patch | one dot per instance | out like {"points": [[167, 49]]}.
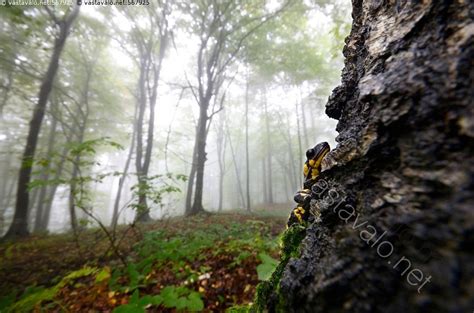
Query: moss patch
{"points": [[290, 243]]}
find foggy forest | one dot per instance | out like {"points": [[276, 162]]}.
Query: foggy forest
{"points": [[236, 156]]}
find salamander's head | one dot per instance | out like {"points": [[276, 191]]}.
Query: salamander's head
{"points": [[314, 156]]}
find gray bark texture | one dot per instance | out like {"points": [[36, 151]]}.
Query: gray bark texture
{"points": [[404, 163]]}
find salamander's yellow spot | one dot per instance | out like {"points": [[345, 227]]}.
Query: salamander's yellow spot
{"points": [[305, 170], [314, 172], [299, 211], [311, 163]]}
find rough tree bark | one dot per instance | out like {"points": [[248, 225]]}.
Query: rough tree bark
{"points": [[19, 226], [404, 162]]}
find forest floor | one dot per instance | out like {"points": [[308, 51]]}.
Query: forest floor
{"points": [[207, 262]]}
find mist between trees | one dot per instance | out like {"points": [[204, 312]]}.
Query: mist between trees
{"points": [[139, 113]]}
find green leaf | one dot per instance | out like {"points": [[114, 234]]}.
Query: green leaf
{"points": [[145, 300], [170, 296], [157, 300], [129, 308], [266, 269], [135, 297], [134, 275], [181, 303], [195, 302], [104, 274]]}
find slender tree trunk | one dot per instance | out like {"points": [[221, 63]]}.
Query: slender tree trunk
{"points": [[264, 179], [247, 162], [150, 71], [221, 190], [191, 180], [45, 177], [142, 210], [201, 157], [6, 92], [305, 128], [31, 205], [7, 200], [298, 128], [73, 184], [52, 192], [123, 177], [80, 139], [19, 226], [237, 174], [145, 215], [221, 150], [287, 187], [291, 157], [268, 150], [5, 181], [287, 178]]}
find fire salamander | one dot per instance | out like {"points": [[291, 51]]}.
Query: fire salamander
{"points": [[311, 170]]}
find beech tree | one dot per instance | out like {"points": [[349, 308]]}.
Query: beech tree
{"points": [[222, 28], [149, 40], [19, 226]]}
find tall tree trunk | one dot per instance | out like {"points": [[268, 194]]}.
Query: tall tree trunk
{"points": [[45, 177], [7, 200], [264, 180], [287, 179], [6, 167], [19, 226], [395, 199], [201, 157], [142, 209], [74, 176], [268, 150], [123, 177], [221, 151], [145, 167], [298, 128], [150, 71], [82, 127], [303, 120], [291, 158], [6, 92], [52, 191], [191, 180], [247, 162], [237, 173]]}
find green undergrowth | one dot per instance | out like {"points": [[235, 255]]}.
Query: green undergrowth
{"points": [[34, 295], [174, 249]]}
